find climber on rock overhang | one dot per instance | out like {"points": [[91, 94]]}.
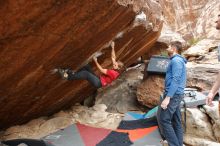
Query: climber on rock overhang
{"points": [[86, 73]]}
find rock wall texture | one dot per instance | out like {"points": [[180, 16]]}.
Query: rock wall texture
{"points": [[38, 36], [182, 15], [194, 19], [205, 26]]}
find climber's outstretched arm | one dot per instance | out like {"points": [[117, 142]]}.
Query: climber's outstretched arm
{"points": [[113, 56]]}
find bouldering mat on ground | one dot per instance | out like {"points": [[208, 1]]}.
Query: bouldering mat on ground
{"points": [[77, 135], [152, 139], [91, 136], [82, 135], [148, 136], [66, 137], [136, 134]]}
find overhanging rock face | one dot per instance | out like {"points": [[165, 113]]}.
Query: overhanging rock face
{"points": [[38, 36]]}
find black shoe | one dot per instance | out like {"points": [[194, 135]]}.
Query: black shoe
{"points": [[63, 73]]}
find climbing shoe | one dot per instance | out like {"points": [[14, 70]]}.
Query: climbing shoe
{"points": [[63, 73]]}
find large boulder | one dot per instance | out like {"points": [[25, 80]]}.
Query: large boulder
{"points": [[201, 48], [213, 113], [198, 125], [202, 126], [190, 140], [202, 76], [38, 36], [203, 65]]}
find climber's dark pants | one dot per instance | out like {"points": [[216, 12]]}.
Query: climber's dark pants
{"points": [[85, 73]]}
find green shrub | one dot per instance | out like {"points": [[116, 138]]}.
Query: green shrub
{"points": [[194, 41]]}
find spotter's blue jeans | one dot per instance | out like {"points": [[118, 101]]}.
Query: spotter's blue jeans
{"points": [[170, 121]]}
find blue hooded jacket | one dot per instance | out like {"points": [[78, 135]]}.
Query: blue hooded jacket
{"points": [[175, 80]]}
